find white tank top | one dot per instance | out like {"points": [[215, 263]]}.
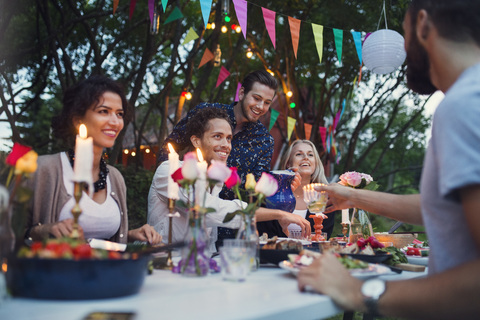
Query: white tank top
{"points": [[98, 220], [296, 227]]}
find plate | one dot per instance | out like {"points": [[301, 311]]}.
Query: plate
{"points": [[373, 270], [423, 261], [376, 258], [304, 242]]}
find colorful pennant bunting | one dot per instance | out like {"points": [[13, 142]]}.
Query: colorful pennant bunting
{"points": [[338, 34], [318, 35], [151, 9], [115, 5], [224, 73], [191, 35], [295, 33], [269, 18], [273, 117], [308, 130], [241, 11], [206, 6], [323, 135], [164, 4], [357, 39], [207, 56], [238, 90], [132, 8], [290, 126], [175, 15]]}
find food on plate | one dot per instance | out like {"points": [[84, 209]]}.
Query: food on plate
{"points": [[272, 244], [363, 246], [263, 237], [417, 248], [396, 256], [306, 257], [67, 248]]}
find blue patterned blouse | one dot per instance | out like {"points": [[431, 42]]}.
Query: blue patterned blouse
{"points": [[252, 147]]}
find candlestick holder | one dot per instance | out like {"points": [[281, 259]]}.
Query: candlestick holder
{"points": [[171, 208], [76, 210], [345, 227]]}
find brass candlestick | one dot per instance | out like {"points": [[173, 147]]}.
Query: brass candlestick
{"points": [[171, 208], [345, 228], [76, 210]]}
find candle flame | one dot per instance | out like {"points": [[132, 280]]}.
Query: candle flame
{"points": [[170, 148], [199, 155], [82, 131]]}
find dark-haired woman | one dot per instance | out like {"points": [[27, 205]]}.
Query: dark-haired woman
{"points": [[100, 104]]}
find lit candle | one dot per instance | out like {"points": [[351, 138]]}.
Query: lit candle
{"points": [[201, 183], [82, 168], [345, 216], [173, 165]]}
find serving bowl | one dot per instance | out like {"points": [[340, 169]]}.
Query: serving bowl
{"points": [[64, 279]]}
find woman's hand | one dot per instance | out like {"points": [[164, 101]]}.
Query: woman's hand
{"points": [[58, 229], [288, 218], [326, 275], [145, 233], [297, 181]]}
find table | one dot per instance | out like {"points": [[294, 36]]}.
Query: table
{"points": [[269, 293]]}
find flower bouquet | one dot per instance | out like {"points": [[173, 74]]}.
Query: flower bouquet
{"points": [[360, 225]]}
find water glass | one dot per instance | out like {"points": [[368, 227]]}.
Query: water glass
{"points": [[235, 257]]}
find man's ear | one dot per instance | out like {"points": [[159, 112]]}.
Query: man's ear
{"points": [[423, 26], [241, 93], [195, 141]]}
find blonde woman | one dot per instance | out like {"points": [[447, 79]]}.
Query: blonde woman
{"points": [[302, 155]]}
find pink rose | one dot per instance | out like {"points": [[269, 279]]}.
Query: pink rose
{"points": [[234, 178], [368, 178], [189, 168], [218, 171], [266, 185], [351, 178]]}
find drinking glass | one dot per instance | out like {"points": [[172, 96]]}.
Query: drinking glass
{"points": [[315, 200]]}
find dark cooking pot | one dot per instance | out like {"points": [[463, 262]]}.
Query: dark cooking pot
{"points": [[63, 279]]}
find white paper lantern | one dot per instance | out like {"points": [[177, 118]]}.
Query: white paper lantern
{"points": [[383, 51]]}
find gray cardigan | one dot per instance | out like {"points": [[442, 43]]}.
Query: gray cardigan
{"points": [[50, 195]]}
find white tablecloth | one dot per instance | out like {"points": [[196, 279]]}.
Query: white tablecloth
{"points": [[269, 293]]}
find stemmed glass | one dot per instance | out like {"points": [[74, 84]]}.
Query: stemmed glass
{"points": [[316, 202]]}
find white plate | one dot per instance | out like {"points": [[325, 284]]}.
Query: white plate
{"points": [[304, 242], [373, 270], [423, 261]]}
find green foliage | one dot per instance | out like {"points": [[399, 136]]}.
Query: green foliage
{"points": [[138, 183]]}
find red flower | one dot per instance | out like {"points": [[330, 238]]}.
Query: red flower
{"points": [[17, 152], [177, 176], [234, 179]]}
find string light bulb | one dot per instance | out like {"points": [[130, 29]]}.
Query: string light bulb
{"points": [[249, 53], [224, 29], [238, 29], [292, 105], [188, 95], [147, 150], [133, 153], [125, 151], [289, 94]]}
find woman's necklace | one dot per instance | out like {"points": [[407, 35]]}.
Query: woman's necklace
{"points": [[101, 183]]}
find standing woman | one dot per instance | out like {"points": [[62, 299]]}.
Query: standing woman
{"points": [[303, 156], [100, 104]]}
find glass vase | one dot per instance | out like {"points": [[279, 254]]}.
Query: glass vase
{"points": [[360, 225], [195, 256], [7, 236], [248, 231]]}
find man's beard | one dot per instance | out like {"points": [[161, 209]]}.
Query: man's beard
{"points": [[418, 68]]}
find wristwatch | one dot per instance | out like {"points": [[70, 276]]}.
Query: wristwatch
{"points": [[372, 290]]}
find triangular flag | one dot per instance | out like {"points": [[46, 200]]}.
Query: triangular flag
{"points": [[164, 4], [323, 135], [338, 33], [343, 109], [359, 76], [357, 39], [318, 35], [207, 56], [132, 8], [238, 90], [294, 32], [206, 6], [241, 12], [269, 17], [290, 127], [273, 117], [308, 130], [115, 5], [337, 118], [151, 8], [191, 35], [224, 73], [175, 15]]}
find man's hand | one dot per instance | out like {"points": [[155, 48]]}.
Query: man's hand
{"points": [[145, 233], [338, 196]]}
